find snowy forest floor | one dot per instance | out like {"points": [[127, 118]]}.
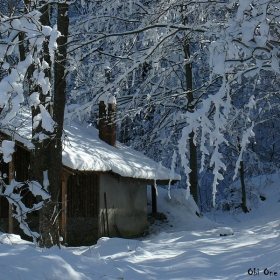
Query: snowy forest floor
{"points": [[185, 247]]}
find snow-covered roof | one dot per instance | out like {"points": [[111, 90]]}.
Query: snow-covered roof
{"points": [[84, 151]]}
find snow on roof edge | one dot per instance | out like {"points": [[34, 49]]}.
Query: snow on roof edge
{"points": [[85, 151]]}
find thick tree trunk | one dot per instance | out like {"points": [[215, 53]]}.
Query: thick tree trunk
{"points": [[40, 162], [55, 172], [46, 158]]}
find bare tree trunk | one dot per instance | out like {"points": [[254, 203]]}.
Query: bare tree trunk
{"points": [[243, 188], [189, 81], [193, 152], [242, 180]]}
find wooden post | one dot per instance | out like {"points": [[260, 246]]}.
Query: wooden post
{"points": [[154, 199], [65, 176], [11, 176]]}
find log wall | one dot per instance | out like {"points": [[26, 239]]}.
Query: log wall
{"points": [[82, 208]]}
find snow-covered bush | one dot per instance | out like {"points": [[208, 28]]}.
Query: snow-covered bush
{"points": [[232, 197]]}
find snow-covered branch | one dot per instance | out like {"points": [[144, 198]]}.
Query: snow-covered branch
{"points": [[13, 193]]}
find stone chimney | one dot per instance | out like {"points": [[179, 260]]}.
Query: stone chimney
{"points": [[107, 120]]}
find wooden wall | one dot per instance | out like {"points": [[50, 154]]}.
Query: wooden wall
{"points": [[21, 164], [82, 201], [4, 205], [82, 195], [82, 209], [21, 167]]}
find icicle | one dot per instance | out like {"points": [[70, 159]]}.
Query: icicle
{"points": [[157, 172], [155, 185], [188, 192]]}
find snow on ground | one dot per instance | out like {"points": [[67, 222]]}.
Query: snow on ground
{"points": [[185, 247]]}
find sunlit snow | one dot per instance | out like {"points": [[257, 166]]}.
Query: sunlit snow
{"points": [[185, 247]]}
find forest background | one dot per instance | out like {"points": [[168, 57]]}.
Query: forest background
{"points": [[196, 85]]}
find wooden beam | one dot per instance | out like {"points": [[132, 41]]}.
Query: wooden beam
{"points": [[11, 177], [65, 176], [154, 199]]}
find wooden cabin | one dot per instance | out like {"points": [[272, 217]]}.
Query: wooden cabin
{"points": [[104, 184]]}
